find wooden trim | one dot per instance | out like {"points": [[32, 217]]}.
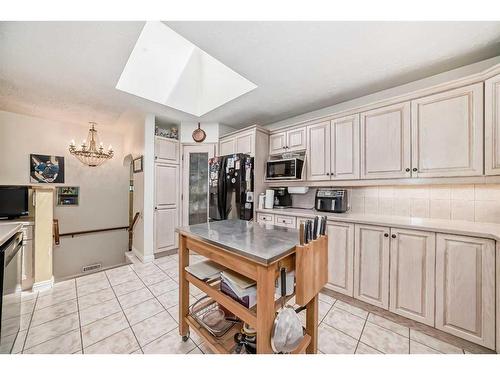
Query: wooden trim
{"points": [[390, 181], [224, 258], [236, 308], [72, 234]]}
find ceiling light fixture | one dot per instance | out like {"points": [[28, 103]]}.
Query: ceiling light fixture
{"points": [[90, 154]]}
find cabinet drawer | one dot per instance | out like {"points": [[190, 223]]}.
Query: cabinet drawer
{"points": [[285, 221], [265, 218]]}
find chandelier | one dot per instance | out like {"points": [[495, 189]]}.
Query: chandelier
{"points": [[89, 153]]}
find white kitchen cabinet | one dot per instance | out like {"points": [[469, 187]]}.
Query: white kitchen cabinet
{"points": [[167, 185], [385, 142], [340, 257], [371, 265], [245, 144], [265, 218], [285, 221], [492, 126], [344, 148], [227, 146], [166, 220], [318, 151], [465, 288], [447, 133], [412, 274], [296, 139], [277, 143], [291, 140], [166, 150]]}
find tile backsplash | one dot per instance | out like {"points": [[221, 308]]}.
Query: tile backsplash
{"points": [[479, 203]]}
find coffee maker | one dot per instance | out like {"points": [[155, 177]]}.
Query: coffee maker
{"points": [[282, 198]]}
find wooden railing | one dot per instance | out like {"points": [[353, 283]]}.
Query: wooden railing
{"points": [[58, 235]]}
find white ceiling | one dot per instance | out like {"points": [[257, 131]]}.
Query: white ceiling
{"points": [[68, 70]]}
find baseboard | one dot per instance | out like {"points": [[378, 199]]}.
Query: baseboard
{"points": [[166, 253], [141, 257], [43, 285]]}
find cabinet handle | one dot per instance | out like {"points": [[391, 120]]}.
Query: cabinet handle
{"points": [[386, 234], [328, 174], [393, 236], [407, 169], [415, 169]]}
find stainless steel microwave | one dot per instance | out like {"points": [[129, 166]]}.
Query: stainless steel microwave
{"points": [[284, 169]]}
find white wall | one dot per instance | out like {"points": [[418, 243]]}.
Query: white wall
{"points": [[211, 129], [103, 190]]}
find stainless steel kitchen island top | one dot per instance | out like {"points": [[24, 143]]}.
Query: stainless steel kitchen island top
{"points": [[263, 243]]}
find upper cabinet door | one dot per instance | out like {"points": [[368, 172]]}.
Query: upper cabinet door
{"points": [[344, 153], [166, 150], [277, 143], [492, 126], [413, 256], [296, 139], [318, 151], [245, 144], [465, 288], [167, 183], [371, 265], [447, 133], [227, 146], [385, 142]]}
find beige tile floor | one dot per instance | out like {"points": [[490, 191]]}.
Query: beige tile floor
{"points": [[133, 309]]}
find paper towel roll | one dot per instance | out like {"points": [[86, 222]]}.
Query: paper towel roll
{"points": [[269, 199]]}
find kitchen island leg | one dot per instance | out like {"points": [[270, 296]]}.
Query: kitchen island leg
{"points": [[265, 308], [312, 325], [183, 288]]}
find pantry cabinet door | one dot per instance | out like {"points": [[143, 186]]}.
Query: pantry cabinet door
{"points": [[245, 144], [447, 133], [412, 272], [296, 139], [166, 150], [492, 126], [166, 220], [277, 143], [166, 185], [318, 151], [385, 142], [344, 153], [371, 265], [227, 146], [341, 257], [465, 288]]}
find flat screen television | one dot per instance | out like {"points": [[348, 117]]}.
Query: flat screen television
{"points": [[13, 201]]}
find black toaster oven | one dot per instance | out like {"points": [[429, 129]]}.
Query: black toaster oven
{"points": [[331, 200]]}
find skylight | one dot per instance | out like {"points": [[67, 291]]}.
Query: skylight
{"points": [[166, 68]]}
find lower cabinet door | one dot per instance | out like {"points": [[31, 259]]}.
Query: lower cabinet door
{"points": [[465, 288], [413, 256], [341, 257], [166, 238], [371, 265]]}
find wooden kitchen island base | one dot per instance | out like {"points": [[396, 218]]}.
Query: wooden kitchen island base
{"points": [[264, 273]]}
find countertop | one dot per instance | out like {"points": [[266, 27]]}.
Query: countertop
{"points": [[263, 243], [7, 230], [466, 228]]}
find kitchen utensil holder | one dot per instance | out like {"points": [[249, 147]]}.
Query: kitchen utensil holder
{"points": [[311, 269]]}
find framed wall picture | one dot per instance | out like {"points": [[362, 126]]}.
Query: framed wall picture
{"points": [[46, 169], [137, 164], [68, 195]]}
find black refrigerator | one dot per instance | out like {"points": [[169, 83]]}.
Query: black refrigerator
{"points": [[231, 187]]}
